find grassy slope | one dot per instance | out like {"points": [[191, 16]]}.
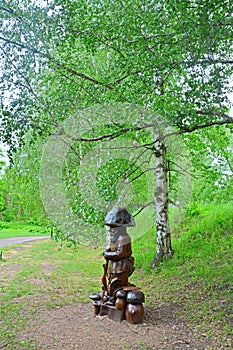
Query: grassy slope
{"points": [[199, 277], [197, 281]]}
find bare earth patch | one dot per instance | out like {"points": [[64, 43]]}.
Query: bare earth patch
{"points": [[8, 272], [74, 326]]}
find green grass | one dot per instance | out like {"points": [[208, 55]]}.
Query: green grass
{"points": [[18, 229], [197, 280]]}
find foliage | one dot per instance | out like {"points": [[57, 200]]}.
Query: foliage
{"points": [[113, 175], [20, 187], [60, 57], [212, 180], [86, 53]]}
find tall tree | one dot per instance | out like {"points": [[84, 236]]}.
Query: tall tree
{"points": [[173, 57]]}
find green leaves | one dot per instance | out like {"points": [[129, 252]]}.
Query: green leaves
{"points": [[79, 53], [173, 57]]}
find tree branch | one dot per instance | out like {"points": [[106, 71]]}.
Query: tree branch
{"points": [[227, 120], [142, 173], [53, 60], [206, 125], [112, 135], [144, 206], [180, 167], [219, 114]]}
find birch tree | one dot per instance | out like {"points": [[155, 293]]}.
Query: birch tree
{"points": [[173, 57]]}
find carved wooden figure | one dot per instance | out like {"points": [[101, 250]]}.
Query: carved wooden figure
{"points": [[119, 299]]}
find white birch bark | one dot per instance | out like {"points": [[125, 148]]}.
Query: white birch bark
{"points": [[163, 247]]}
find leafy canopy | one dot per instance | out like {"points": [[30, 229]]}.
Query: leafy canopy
{"points": [[172, 56]]}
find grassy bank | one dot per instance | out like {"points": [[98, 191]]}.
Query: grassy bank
{"points": [[199, 277], [197, 281]]}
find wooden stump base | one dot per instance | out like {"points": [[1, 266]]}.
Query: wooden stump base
{"points": [[112, 312]]}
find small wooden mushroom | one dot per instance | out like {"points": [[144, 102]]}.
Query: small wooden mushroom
{"points": [[96, 298], [134, 312], [120, 299]]}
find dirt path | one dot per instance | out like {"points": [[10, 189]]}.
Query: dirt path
{"points": [[7, 242], [75, 327]]}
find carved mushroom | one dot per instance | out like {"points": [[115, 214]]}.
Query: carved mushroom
{"points": [[119, 217], [120, 299], [135, 297]]}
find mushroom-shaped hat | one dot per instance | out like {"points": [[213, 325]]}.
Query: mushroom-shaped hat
{"points": [[119, 217]]}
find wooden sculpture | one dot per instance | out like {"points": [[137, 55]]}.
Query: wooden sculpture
{"points": [[119, 299]]}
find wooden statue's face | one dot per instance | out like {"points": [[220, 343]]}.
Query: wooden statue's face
{"points": [[114, 233]]}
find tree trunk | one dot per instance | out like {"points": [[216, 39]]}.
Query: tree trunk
{"points": [[163, 248]]}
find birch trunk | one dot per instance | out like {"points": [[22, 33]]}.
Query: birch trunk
{"points": [[163, 248]]}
